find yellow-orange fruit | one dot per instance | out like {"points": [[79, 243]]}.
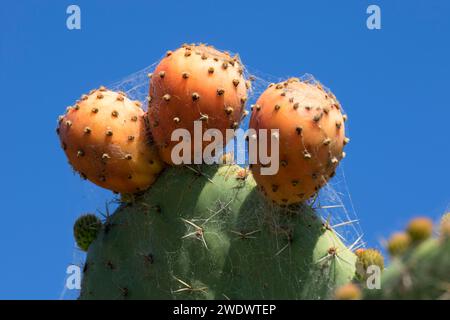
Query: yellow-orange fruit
{"points": [[195, 83], [106, 141], [367, 258], [311, 138], [398, 243], [348, 291], [420, 229]]}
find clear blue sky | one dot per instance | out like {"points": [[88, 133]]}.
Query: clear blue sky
{"points": [[393, 83]]}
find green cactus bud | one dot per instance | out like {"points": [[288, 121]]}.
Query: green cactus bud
{"points": [[85, 230], [398, 243], [420, 229]]}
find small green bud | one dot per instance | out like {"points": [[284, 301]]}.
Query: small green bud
{"points": [[85, 230]]}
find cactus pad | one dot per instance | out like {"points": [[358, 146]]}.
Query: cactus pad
{"points": [[206, 232]]}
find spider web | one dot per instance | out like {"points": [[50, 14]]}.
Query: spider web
{"points": [[333, 203]]}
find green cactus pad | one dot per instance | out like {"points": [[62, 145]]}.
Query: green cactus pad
{"points": [[85, 230], [206, 232]]}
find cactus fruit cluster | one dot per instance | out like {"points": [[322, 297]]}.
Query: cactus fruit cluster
{"points": [[419, 267], [422, 271], [311, 138], [222, 231]]}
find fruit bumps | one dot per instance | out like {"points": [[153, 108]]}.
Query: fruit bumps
{"points": [[195, 83], [105, 139], [311, 138]]}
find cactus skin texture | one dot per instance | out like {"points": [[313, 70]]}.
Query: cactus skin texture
{"points": [[206, 232], [421, 272], [85, 230], [193, 83], [105, 139], [311, 138]]}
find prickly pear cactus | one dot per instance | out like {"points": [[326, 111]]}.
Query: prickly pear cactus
{"points": [[421, 272], [206, 232]]}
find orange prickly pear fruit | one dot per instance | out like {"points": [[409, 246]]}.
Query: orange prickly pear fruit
{"points": [[195, 83], [311, 138], [105, 139], [349, 291], [420, 229]]}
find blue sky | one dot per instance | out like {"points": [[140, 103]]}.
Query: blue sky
{"points": [[392, 82]]}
